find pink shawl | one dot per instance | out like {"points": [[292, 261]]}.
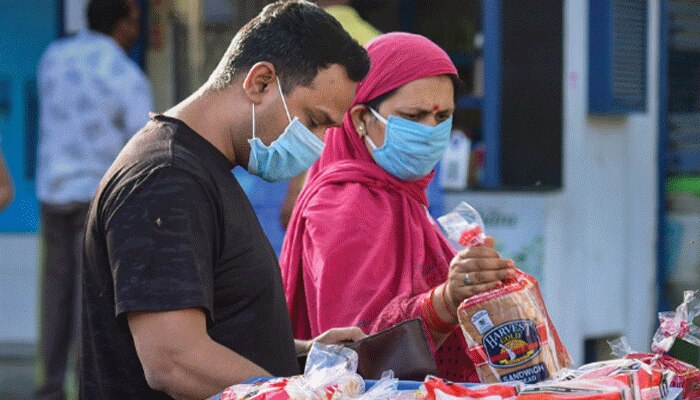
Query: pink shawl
{"points": [[361, 248]]}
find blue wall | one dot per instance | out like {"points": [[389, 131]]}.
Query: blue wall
{"points": [[26, 28]]}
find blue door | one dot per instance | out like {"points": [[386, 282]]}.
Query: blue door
{"points": [[26, 29]]}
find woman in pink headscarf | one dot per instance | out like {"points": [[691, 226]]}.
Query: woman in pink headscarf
{"points": [[361, 248]]}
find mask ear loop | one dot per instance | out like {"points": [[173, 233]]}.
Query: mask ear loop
{"points": [[253, 158], [279, 86], [379, 117], [371, 142], [253, 120]]}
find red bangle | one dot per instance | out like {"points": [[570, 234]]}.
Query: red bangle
{"points": [[436, 323], [428, 318], [432, 318], [444, 300]]}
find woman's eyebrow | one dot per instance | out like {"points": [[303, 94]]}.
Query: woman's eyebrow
{"points": [[418, 109]]}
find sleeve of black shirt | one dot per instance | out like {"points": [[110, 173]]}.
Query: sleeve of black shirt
{"points": [[161, 245]]}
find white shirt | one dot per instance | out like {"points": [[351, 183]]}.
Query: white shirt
{"points": [[92, 99]]}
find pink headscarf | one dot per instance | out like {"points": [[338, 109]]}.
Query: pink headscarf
{"points": [[396, 59], [360, 248]]}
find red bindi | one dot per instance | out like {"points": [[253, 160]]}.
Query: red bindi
{"points": [[436, 107]]}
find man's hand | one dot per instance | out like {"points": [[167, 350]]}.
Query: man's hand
{"points": [[331, 336], [340, 335]]}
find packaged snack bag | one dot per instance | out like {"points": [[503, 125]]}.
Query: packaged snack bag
{"points": [[508, 330], [329, 375], [676, 373], [440, 389], [672, 325], [633, 373], [509, 335], [582, 389]]}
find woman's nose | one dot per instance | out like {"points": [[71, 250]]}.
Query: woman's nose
{"points": [[430, 120]]}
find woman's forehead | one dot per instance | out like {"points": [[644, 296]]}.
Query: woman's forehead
{"points": [[432, 93]]}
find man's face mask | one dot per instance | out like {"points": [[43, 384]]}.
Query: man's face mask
{"points": [[411, 149], [292, 153]]}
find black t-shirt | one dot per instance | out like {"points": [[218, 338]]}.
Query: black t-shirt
{"points": [[171, 228]]}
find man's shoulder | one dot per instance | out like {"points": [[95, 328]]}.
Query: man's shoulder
{"points": [[56, 49], [67, 46], [147, 176], [155, 148], [150, 148]]}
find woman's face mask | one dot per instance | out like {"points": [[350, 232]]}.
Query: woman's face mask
{"points": [[411, 149]]}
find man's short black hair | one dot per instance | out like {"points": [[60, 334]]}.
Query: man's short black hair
{"points": [[299, 39], [103, 15]]}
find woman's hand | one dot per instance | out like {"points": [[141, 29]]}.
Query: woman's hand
{"points": [[331, 336], [475, 270]]}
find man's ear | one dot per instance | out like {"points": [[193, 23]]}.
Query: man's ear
{"points": [[358, 116], [258, 81]]}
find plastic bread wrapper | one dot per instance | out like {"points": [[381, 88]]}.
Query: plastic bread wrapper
{"points": [[509, 334], [330, 374], [644, 382], [464, 226], [580, 389], [673, 325], [678, 325], [441, 389]]}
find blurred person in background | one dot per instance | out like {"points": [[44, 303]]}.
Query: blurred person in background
{"points": [[350, 19], [92, 99], [6, 187]]}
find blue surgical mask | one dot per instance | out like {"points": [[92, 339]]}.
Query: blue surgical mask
{"points": [[292, 153], [411, 149]]}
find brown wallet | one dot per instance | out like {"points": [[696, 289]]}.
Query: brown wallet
{"points": [[402, 348]]}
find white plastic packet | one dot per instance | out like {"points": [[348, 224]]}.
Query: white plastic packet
{"points": [[464, 226]]}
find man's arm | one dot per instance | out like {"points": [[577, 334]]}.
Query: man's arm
{"points": [[6, 187], [180, 359]]}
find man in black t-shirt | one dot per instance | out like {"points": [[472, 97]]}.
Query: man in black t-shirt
{"points": [[182, 293]]}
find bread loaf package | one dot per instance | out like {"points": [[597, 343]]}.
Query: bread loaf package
{"points": [[330, 374], [440, 389], [600, 389], [644, 382], [509, 333], [678, 373], [678, 324]]}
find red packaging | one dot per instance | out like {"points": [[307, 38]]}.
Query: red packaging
{"points": [[439, 389], [598, 389], [673, 325], [294, 388], [269, 390], [685, 376], [633, 373]]}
